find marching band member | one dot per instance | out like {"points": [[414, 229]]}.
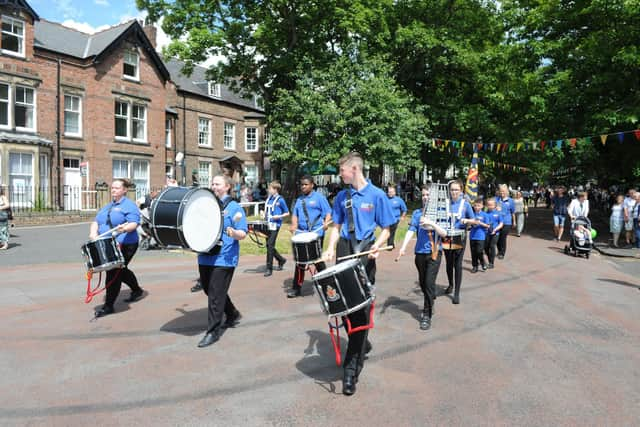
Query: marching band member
{"points": [[356, 213], [216, 268], [275, 209], [125, 215], [428, 255], [461, 216], [399, 212], [311, 212]]}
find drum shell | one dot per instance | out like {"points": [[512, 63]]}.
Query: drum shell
{"points": [[343, 288], [168, 218], [102, 255], [454, 242], [259, 228], [307, 252]]}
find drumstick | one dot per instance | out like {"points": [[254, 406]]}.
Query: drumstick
{"points": [[359, 254], [317, 228], [113, 232]]}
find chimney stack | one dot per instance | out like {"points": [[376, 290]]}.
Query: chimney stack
{"points": [[152, 32]]}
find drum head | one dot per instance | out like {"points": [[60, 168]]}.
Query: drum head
{"points": [[307, 237], [345, 265], [202, 220]]}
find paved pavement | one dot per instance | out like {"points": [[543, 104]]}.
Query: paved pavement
{"points": [[544, 339]]}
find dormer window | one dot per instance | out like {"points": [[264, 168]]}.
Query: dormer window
{"points": [[131, 65], [214, 89], [12, 36]]}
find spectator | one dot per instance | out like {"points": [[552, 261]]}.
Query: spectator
{"points": [[521, 210], [560, 202], [628, 206], [4, 220], [616, 220]]}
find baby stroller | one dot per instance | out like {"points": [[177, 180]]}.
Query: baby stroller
{"points": [[144, 231], [581, 241]]}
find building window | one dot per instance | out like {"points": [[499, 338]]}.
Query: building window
{"points": [[204, 174], [258, 101], [131, 65], [24, 109], [250, 174], [139, 123], [229, 136], [44, 178], [204, 132], [251, 139], [21, 179], [12, 36], [266, 143], [120, 168], [141, 177], [72, 115], [130, 120], [214, 89], [5, 111], [168, 170], [167, 133]]}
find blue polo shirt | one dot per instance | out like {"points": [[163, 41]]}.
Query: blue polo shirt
{"points": [[560, 205], [371, 207], [230, 251], [495, 219], [317, 208], [507, 207], [275, 205], [398, 206], [479, 232], [120, 212], [467, 212], [423, 243]]}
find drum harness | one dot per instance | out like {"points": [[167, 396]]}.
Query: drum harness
{"points": [[310, 226], [355, 247]]}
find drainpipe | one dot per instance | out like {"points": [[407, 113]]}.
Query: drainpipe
{"points": [[59, 182], [184, 139]]}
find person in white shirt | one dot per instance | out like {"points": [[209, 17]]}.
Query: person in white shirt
{"points": [[579, 206], [628, 207]]}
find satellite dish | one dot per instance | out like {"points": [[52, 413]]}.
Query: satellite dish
{"points": [[179, 157]]}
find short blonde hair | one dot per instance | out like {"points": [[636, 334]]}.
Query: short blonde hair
{"points": [[275, 185]]}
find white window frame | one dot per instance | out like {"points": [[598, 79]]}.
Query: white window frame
{"points": [[168, 125], [33, 106], [246, 140], [232, 138], [126, 117], [141, 190], [207, 143], [24, 199], [214, 89], [71, 111], [9, 107], [21, 37], [139, 119], [206, 182], [252, 177], [125, 161], [126, 61]]}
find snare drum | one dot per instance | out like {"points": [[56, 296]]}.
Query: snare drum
{"points": [[306, 247], [455, 240], [102, 255], [189, 218], [259, 228], [344, 288]]}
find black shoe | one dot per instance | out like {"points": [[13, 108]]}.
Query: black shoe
{"points": [[490, 266], [294, 292], [268, 273], [197, 287], [281, 264], [208, 339], [348, 385], [500, 256], [455, 299], [368, 347], [484, 267], [232, 321], [425, 322], [448, 290], [135, 295], [104, 311], [474, 270]]}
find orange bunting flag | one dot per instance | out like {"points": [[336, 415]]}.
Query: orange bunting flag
{"points": [[573, 142], [603, 138]]}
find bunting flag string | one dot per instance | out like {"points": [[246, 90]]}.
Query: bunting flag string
{"points": [[452, 144], [491, 163]]}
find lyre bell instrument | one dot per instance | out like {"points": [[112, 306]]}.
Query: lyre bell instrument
{"points": [[437, 209]]}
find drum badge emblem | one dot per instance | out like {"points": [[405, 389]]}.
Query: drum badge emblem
{"points": [[332, 295]]}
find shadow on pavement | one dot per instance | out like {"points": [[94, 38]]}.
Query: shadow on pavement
{"points": [[190, 323], [321, 366], [619, 282], [407, 306]]}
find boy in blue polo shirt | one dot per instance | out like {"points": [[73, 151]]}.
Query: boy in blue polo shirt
{"points": [[478, 235], [399, 212], [493, 232], [275, 209]]}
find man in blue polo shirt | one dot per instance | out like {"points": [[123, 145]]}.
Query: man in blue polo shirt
{"points": [[357, 211], [508, 209], [399, 212], [311, 212]]}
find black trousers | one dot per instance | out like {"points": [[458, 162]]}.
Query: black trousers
{"points": [[502, 239], [477, 252], [298, 275], [116, 277], [454, 267], [427, 273], [354, 359], [215, 284], [271, 249], [391, 241], [490, 247]]}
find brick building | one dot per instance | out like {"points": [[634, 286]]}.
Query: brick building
{"points": [[77, 110]]}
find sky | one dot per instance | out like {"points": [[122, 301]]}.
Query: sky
{"points": [[90, 16]]}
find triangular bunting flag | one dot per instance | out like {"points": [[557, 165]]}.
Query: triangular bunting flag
{"points": [[559, 143], [603, 139], [519, 146], [637, 134], [620, 137], [542, 144], [572, 142]]}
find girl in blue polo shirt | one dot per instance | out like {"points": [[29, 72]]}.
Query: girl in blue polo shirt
{"points": [[275, 209], [477, 236], [494, 218]]}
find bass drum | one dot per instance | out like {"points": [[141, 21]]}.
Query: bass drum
{"points": [[189, 218]]}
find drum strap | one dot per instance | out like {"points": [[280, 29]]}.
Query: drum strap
{"points": [[352, 225], [109, 216], [434, 250], [306, 215]]}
